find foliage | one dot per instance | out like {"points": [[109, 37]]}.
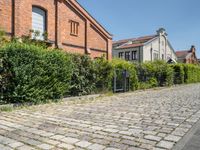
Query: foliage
{"points": [[130, 67], [84, 78], [154, 74], [104, 75], [33, 74], [178, 73], [192, 73], [3, 38]]}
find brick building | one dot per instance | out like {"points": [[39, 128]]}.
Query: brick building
{"points": [[68, 24], [187, 56]]}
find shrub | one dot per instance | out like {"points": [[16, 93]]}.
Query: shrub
{"points": [[156, 73], [104, 75], [84, 77], [130, 67], [3, 38], [33, 74], [192, 73], [178, 73]]}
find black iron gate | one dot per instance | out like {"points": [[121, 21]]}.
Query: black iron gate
{"points": [[121, 81]]}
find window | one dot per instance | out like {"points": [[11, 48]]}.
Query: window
{"points": [[121, 54], [134, 55], [163, 57], [127, 55], [74, 28], [155, 55], [38, 22]]}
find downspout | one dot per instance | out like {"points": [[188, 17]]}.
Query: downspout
{"points": [[56, 23], [13, 18]]}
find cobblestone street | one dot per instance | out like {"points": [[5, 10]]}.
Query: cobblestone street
{"points": [[152, 119]]}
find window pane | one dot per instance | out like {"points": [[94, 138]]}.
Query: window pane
{"points": [[38, 22]]}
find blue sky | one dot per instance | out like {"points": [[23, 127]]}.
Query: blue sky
{"points": [[133, 18]]}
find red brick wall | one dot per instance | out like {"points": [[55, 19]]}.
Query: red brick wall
{"points": [[90, 35], [66, 13], [6, 15]]}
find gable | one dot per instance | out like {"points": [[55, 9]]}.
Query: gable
{"points": [[86, 15]]}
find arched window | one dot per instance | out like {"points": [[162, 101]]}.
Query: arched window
{"points": [[38, 22]]}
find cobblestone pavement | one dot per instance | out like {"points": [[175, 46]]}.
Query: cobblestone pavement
{"points": [[154, 119]]}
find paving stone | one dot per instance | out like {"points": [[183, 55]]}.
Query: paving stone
{"points": [[66, 146], [153, 138], [129, 142], [119, 145], [16, 144], [125, 132], [135, 148], [110, 148], [25, 147], [172, 138], [165, 144], [96, 147], [83, 144], [57, 137], [110, 130], [45, 146], [32, 142], [70, 140], [153, 119]]}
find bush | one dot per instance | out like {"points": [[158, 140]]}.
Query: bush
{"points": [[192, 73], [104, 75], [156, 73], [33, 74], [3, 38], [130, 67], [178, 73], [84, 77]]}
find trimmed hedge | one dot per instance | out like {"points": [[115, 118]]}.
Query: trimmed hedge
{"points": [[33, 74], [130, 67], [192, 73], [83, 78], [104, 75], [179, 73], [153, 74]]}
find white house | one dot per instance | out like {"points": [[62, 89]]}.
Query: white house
{"points": [[146, 48]]}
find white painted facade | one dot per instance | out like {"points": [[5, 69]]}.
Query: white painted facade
{"points": [[157, 48]]}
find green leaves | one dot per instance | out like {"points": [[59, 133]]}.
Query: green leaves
{"points": [[37, 74], [192, 73], [156, 73]]}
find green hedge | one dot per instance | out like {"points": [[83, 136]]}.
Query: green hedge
{"points": [[83, 77], [192, 73], [104, 75], [153, 74], [130, 67], [33, 74], [179, 73]]}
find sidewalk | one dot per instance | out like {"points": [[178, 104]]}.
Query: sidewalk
{"points": [[191, 141]]}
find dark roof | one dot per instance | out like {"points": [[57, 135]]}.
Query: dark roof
{"points": [[135, 42], [182, 53]]}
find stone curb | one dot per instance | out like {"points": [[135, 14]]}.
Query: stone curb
{"points": [[86, 97]]}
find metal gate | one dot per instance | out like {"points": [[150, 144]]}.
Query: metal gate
{"points": [[121, 81]]}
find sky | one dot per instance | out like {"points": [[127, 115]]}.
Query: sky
{"points": [[133, 18]]}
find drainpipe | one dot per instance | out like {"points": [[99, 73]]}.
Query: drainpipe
{"points": [[56, 23], [13, 18]]}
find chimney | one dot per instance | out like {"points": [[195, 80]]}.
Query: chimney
{"points": [[193, 49]]}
